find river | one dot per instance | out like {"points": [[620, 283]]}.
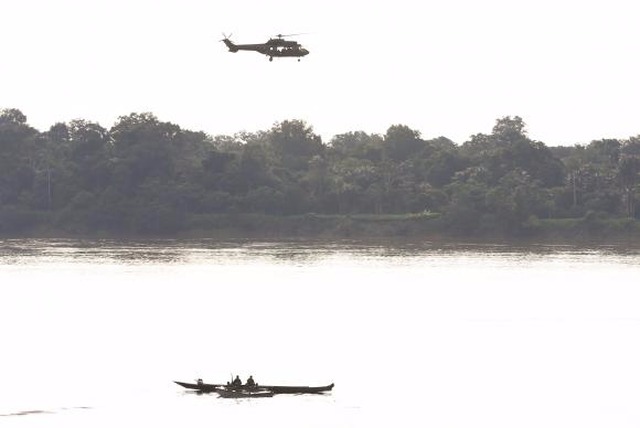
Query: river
{"points": [[94, 332]]}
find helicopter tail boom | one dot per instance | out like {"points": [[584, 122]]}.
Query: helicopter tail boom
{"points": [[232, 47]]}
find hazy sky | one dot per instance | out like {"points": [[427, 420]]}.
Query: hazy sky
{"points": [[448, 68]]}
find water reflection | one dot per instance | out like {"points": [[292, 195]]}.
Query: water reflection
{"points": [[42, 412], [163, 251]]}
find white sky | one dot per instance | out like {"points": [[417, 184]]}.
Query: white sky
{"points": [[448, 68]]}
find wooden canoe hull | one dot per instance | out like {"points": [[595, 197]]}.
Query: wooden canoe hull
{"points": [[276, 389], [281, 389], [243, 393], [200, 387]]}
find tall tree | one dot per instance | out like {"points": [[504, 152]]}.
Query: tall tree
{"points": [[17, 155], [508, 148], [629, 176], [295, 144], [89, 151], [402, 142], [357, 144]]}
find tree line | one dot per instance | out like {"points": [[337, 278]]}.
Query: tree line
{"points": [[146, 176]]}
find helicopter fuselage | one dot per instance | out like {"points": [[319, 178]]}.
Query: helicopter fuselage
{"points": [[274, 48]]}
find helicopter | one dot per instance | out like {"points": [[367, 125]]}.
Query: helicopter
{"points": [[275, 47]]}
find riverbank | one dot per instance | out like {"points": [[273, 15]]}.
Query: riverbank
{"points": [[423, 226], [408, 226]]}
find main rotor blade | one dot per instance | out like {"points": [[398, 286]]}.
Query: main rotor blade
{"points": [[290, 35]]}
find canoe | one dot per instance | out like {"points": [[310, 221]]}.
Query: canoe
{"points": [[201, 387], [243, 393], [280, 389], [276, 389]]}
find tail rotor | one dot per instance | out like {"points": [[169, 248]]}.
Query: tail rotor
{"points": [[230, 45]]}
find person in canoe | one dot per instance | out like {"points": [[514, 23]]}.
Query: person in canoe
{"points": [[236, 381], [251, 383]]}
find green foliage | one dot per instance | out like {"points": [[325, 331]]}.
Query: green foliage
{"points": [[508, 148], [402, 143], [294, 144], [358, 145], [148, 177], [14, 219]]}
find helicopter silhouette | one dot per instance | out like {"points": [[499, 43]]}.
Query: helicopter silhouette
{"points": [[275, 47]]}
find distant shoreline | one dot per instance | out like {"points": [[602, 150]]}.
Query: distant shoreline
{"points": [[409, 227]]}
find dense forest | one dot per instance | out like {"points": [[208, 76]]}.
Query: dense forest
{"points": [[148, 177]]}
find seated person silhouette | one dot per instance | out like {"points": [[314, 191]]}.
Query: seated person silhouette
{"points": [[251, 383]]}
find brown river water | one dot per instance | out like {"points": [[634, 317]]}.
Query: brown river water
{"points": [[94, 332]]}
